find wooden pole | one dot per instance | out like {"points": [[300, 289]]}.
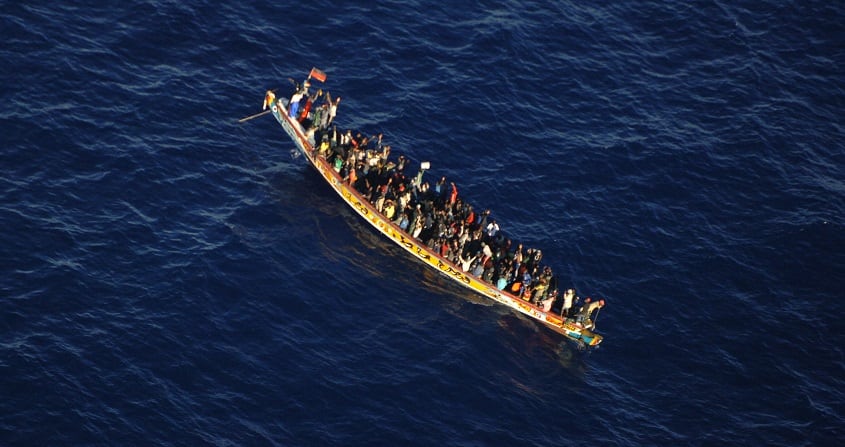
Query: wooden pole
{"points": [[254, 116]]}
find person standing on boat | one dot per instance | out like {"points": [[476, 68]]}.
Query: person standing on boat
{"points": [[346, 139], [418, 226], [440, 185], [517, 256], [589, 310], [492, 228], [482, 222], [294, 103], [324, 116], [453, 196], [332, 107], [352, 175], [317, 117], [269, 99], [466, 262], [307, 101], [568, 297]]}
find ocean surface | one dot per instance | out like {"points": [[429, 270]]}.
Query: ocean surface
{"points": [[171, 277]]}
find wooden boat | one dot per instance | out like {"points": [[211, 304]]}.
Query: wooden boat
{"points": [[574, 329]]}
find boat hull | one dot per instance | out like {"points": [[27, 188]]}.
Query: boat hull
{"points": [[305, 144]]}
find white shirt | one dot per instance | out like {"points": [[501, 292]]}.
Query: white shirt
{"points": [[492, 229], [567, 300]]}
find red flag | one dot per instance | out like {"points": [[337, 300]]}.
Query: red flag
{"points": [[318, 74]]}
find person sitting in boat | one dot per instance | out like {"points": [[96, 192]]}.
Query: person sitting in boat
{"points": [[325, 147], [547, 303], [455, 248], [516, 288], [403, 221], [501, 282], [489, 271], [389, 209], [539, 291], [478, 270], [527, 279], [444, 247]]}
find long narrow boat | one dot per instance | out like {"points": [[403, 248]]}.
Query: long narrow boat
{"points": [[576, 329]]}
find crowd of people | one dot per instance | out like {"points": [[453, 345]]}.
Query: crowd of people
{"points": [[435, 215]]}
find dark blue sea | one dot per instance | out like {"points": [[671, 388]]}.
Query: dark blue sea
{"points": [[171, 277]]}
